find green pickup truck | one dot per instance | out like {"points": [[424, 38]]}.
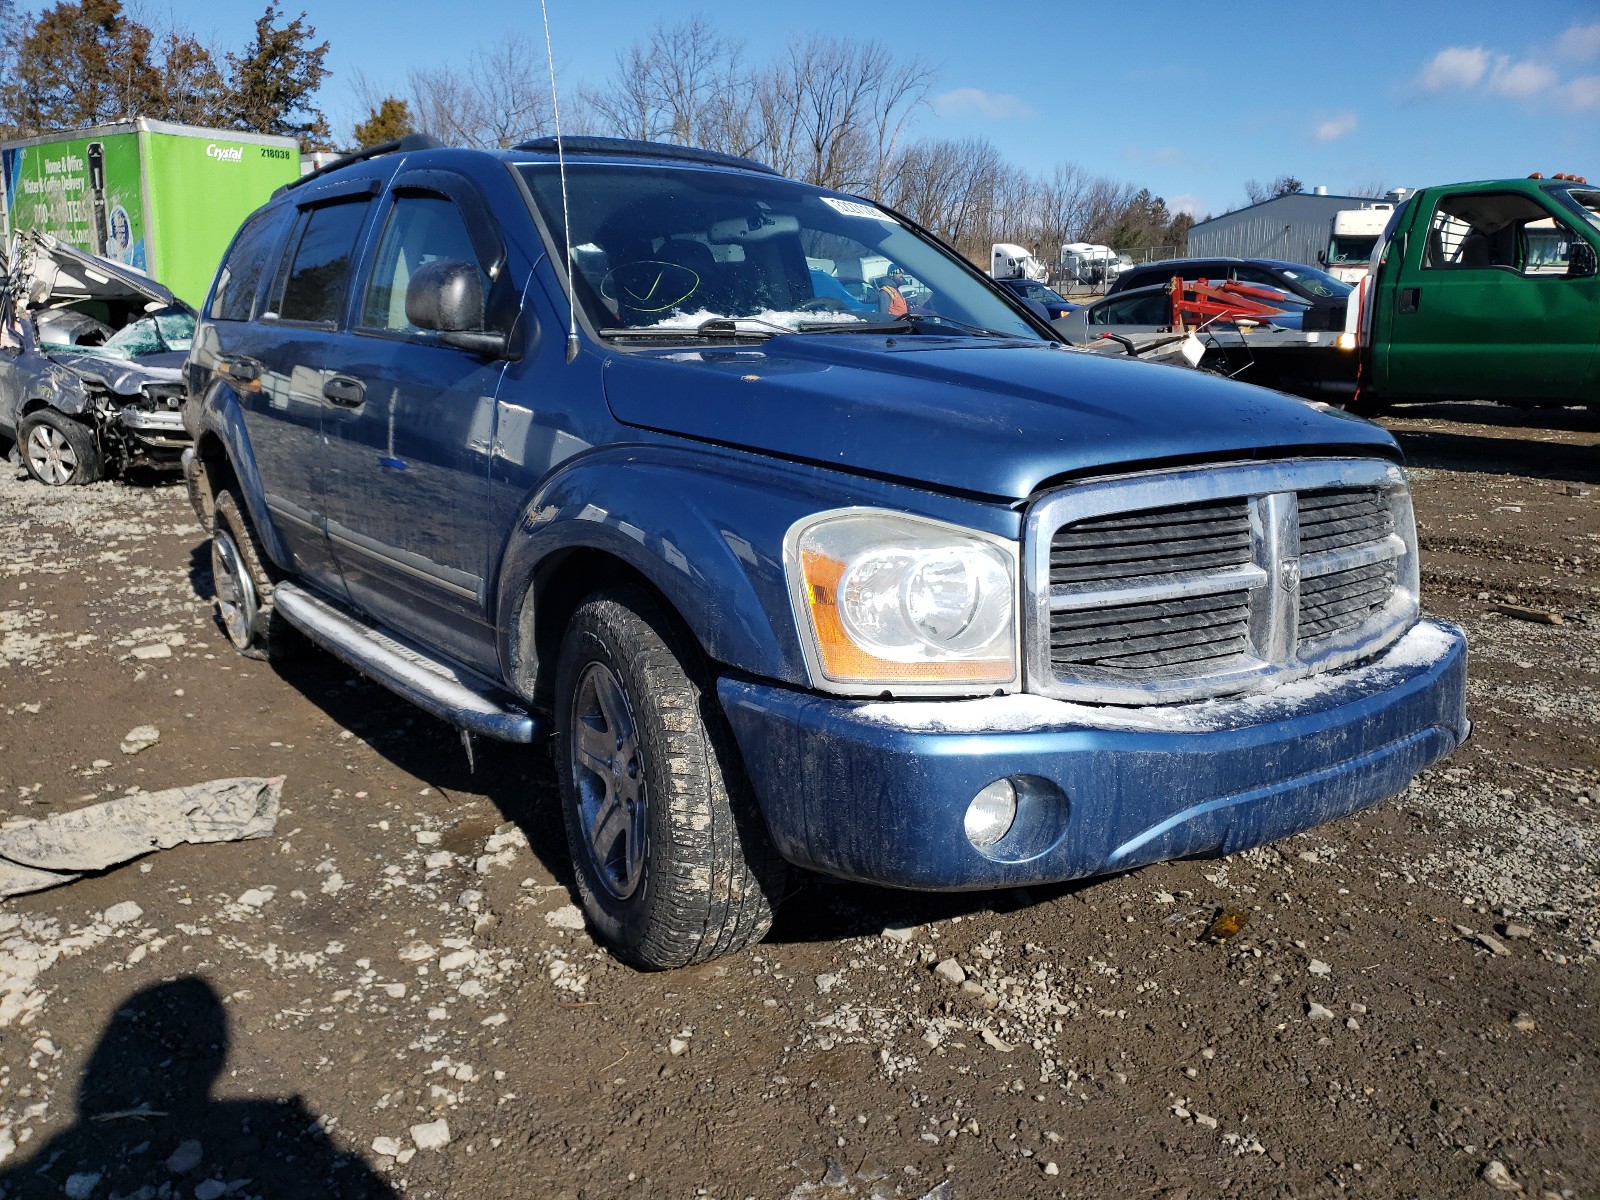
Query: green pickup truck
{"points": [[1485, 290]]}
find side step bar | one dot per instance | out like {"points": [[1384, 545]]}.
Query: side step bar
{"points": [[464, 699]]}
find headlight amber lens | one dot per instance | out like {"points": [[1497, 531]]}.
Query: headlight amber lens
{"points": [[894, 599]]}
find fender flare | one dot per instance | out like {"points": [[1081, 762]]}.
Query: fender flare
{"points": [[705, 531], [222, 419]]}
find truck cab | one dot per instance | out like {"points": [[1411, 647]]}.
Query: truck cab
{"points": [[1486, 290], [1010, 261], [1352, 236]]}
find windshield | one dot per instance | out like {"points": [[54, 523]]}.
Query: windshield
{"points": [[1313, 282], [155, 333], [1584, 201], [659, 250], [1351, 250]]}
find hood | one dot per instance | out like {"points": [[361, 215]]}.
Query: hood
{"points": [[988, 418], [122, 376], [71, 274]]}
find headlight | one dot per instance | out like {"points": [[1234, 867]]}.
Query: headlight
{"points": [[887, 601]]}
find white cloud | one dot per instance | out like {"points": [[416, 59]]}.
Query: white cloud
{"points": [[1581, 42], [1526, 78], [1188, 202], [1335, 128], [1583, 93], [1455, 67], [975, 102]]}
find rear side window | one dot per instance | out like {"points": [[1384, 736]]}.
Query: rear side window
{"points": [[252, 255], [421, 229], [319, 274]]}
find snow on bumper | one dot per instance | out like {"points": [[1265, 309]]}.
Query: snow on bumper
{"points": [[878, 791]]}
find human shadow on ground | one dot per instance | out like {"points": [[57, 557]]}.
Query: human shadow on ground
{"points": [[149, 1127]]}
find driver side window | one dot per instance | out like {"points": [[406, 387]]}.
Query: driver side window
{"points": [[421, 229]]}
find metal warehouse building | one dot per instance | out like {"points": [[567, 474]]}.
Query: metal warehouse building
{"points": [[1293, 227]]}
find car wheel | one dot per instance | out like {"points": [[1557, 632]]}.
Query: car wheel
{"points": [[242, 583], [673, 863], [58, 450]]}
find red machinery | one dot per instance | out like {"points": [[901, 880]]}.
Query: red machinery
{"points": [[1198, 302]]}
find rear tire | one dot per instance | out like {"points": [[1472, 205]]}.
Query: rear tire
{"points": [[242, 583], [673, 862], [57, 450]]}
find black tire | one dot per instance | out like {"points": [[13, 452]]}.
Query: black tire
{"points": [[682, 869], [242, 583], [57, 450]]}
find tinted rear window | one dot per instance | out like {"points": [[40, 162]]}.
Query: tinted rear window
{"points": [[320, 273], [252, 255]]}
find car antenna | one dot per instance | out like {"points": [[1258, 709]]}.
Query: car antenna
{"points": [[561, 164]]}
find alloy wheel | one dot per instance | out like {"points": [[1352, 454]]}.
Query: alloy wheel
{"points": [[50, 454], [236, 593], [608, 774]]}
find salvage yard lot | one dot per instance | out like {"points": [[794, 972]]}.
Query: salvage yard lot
{"points": [[1408, 1010]]}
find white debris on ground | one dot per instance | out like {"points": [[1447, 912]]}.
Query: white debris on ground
{"points": [[37, 854]]}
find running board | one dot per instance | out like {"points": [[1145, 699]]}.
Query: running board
{"points": [[457, 696]]}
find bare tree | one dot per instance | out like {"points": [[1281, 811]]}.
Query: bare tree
{"points": [[685, 84], [1283, 185], [949, 188], [1373, 189], [1062, 205], [848, 103], [503, 100]]}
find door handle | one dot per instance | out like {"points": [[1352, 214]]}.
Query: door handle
{"points": [[1410, 299], [344, 391]]}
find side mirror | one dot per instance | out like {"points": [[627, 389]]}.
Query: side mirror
{"points": [[1322, 257], [1037, 308], [1584, 261], [447, 296]]}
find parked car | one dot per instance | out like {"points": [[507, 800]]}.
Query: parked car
{"points": [[929, 601], [1030, 289], [1148, 310], [1323, 293], [91, 354]]}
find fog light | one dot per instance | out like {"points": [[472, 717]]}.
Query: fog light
{"points": [[1346, 341], [991, 813]]}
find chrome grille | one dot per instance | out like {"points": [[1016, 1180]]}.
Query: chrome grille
{"points": [[1343, 600], [1189, 634], [1185, 538], [1185, 584]]}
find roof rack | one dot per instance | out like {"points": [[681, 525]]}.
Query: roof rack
{"points": [[606, 145], [407, 144]]}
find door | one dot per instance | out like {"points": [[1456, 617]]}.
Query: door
{"points": [[1487, 305], [280, 361], [408, 439]]}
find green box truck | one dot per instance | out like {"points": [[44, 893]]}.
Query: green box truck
{"points": [[163, 198]]}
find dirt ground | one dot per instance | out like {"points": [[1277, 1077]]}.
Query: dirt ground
{"points": [[1408, 1011]]}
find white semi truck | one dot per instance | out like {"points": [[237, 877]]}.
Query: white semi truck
{"points": [[1010, 261], [1351, 237]]}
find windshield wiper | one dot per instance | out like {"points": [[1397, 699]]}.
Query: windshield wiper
{"points": [[717, 327], [911, 321]]}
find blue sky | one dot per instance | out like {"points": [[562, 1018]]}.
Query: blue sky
{"points": [[1190, 100]]}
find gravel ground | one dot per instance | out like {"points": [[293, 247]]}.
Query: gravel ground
{"points": [[393, 993]]}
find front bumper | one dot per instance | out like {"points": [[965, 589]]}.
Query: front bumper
{"points": [[878, 791]]}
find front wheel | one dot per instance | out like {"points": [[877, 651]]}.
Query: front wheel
{"points": [[672, 861], [58, 450]]}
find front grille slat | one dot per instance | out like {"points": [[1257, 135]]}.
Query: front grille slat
{"points": [[1171, 617], [1166, 540]]}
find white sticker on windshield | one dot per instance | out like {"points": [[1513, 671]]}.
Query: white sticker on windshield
{"points": [[854, 208]]}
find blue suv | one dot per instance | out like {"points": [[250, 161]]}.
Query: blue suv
{"points": [[619, 447]]}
